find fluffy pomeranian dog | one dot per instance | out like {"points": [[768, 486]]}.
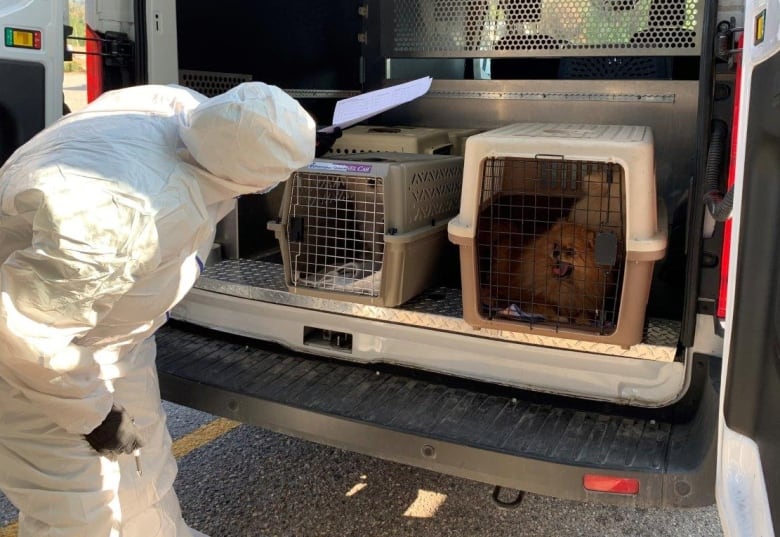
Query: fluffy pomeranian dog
{"points": [[554, 274]]}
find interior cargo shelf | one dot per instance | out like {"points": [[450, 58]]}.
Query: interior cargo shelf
{"points": [[438, 308], [292, 392]]}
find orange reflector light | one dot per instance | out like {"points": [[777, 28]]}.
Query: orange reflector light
{"points": [[607, 483]]}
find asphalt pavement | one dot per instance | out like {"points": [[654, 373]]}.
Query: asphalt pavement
{"points": [[74, 87], [251, 482], [256, 483]]}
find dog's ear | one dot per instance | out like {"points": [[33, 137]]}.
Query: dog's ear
{"points": [[591, 238]]}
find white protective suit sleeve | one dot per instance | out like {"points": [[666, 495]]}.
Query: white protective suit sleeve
{"points": [[76, 258], [60, 287]]}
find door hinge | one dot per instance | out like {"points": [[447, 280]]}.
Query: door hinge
{"points": [[115, 47], [726, 41]]}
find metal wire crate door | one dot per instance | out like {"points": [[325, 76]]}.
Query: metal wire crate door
{"points": [[550, 242], [336, 232]]}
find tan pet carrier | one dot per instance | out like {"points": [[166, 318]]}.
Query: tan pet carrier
{"points": [[559, 229], [367, 229], [458, 139], [368, 139]]}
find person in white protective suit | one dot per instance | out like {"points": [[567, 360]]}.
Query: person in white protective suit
{"points": [[106, 218]]}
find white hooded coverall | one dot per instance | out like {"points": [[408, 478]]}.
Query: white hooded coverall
{"points": [[105, 220]]}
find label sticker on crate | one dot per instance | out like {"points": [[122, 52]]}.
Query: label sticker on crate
{"points": [[340, 167]]}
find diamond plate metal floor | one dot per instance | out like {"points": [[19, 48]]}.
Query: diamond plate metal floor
{"points": [[438, 308]]}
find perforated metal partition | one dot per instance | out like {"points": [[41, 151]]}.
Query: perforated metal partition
{"points": [[210, 83], [513, 28]]}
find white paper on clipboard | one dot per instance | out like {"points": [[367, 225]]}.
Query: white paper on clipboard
{"points": [[361, 107]]}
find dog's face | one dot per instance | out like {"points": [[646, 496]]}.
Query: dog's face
{"points": [[569, 251], [555, 275], [565, 272]]}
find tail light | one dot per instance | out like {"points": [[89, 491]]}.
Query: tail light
{"points": [[610, 484], [724, 264]]}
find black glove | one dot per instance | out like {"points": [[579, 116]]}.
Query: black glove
{"points": [[117, 434], [325, 141]]}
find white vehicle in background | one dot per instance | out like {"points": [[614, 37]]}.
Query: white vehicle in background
{"points": [[682, 418], [31, 67]]}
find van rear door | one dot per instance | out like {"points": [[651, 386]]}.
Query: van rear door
{"points": [[31, 67], [748, 481]]}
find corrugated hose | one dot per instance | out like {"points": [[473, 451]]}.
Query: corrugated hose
{"points": [[718, 205]]}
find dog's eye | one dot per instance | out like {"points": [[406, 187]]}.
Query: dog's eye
{"points": [[571, 252]]}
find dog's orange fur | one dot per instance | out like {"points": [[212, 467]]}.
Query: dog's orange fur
{"points": [[554, 274], [601, 205]]}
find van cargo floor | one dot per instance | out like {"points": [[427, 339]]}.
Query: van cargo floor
{"points": [[479, 431], [438, 308]]}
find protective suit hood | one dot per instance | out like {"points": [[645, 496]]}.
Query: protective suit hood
{"points": [[250, 137]]}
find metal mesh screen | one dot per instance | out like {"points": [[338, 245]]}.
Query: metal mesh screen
{"points": [[551, 242], [209, 83], [336, 232], [506, 28], [616, 67]]}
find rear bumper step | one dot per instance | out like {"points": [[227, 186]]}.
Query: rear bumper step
{"points": [[495, 435]]}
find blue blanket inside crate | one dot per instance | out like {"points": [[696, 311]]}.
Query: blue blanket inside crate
{"points": [[514, 311]]}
